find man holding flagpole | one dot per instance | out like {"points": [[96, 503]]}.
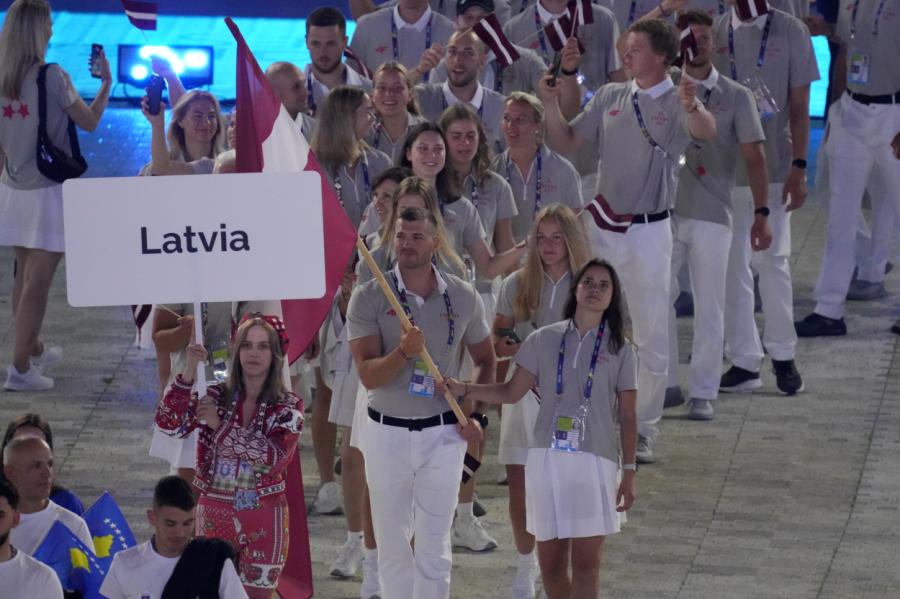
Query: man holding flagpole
{"points": [[414, 447]]}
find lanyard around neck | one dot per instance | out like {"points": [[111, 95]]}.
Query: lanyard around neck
{"points": [[395, 41], [761, 58], [404, 302], [874, 23], [537, 179], [589, 384]]}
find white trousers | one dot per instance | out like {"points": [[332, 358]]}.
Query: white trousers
{"points": [[643, 259], [874, 250], [858, 146], [742, 342], [703, 246], [413, 479]]}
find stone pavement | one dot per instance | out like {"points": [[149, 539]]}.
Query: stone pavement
{"points": [[777, 497]]}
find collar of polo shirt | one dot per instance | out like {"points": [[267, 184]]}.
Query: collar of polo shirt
{"points": [[418, 25], [451, 98], [759, 22], [709, 82], [353, 78], [420, 301], [546, 15], [655, 91]]}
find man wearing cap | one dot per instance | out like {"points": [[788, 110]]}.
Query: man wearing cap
{"points": [[522, 75], [400, 34], [642, 129], [326, 40], [861, 142], [772, 55], [412, 444], [701, 224]]}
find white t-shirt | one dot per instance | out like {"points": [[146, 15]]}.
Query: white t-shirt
{"points": [[23, 577], [140, 572], [32, 528]]}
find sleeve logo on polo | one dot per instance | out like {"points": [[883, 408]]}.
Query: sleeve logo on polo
{"points": [[381, 49], [615, 112], [391, 312]]}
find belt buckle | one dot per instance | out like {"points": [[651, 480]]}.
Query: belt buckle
{"points": [[414, 424]]}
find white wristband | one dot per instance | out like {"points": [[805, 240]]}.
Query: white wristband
{"points": [[629, 467]]}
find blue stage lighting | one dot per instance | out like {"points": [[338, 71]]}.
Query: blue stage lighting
{"points": [[193, 64]]}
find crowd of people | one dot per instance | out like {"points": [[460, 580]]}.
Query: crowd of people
{"points": [[532, 224]]}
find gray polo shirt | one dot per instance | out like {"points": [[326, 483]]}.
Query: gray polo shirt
{"points": [[789, 62], [448, 8], [370, 314], [550, 310], [598, 38], [19, 125], [307, 125], [614, 374], [634, 177], [629, 11], [881, 49], [356, 191], [488, 104], [320, 91], [706, 181], [372, 38], [521, 76], [493, 198], [713, 8], [560, 184], [463, 224], [380, 140]]}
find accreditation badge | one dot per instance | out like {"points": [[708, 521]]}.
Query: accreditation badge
{"points": [[568, 434], [860, 67], [765, 102], [422, 383]]}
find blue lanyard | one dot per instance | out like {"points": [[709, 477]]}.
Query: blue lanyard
{"points": [[874, 24], [311, 98], [632, 11], [540, 31], [474, 194], [339, 188], [645, 131], [377, 141], [762, 46], [395, 42], [524, 6], [721, 7], [498, 77], [404, 301], [537, 180], [589, 384]]}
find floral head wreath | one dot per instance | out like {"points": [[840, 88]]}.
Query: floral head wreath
{"points": [[276, 323]]}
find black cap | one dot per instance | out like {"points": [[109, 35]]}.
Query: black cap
{"points": [[464, 5]]}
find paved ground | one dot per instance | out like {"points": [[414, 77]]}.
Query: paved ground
{"points": [[778, 497]]}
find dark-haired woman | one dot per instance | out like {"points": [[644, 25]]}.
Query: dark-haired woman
{"points": [[585, 372]]}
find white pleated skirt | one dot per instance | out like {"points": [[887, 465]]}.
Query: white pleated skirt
{"points": [[32, 218], [517, 429], [179, 452], [570, 495], [343, 397]]}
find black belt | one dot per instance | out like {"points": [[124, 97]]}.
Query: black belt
{"points": [[651, 218], [885, 99], [414, 424]]}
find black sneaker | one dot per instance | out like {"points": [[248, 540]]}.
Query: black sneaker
{"points": [[674, 397], [786, 377], [684, 305], [816, 325], [737, 380], [896, 328]]}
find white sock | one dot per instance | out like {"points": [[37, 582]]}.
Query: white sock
{"points": [[370, 555], [355, 537], [464, 511], [526, 559]]}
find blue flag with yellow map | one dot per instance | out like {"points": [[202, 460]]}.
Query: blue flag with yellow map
{"points": [[109, 529], [75, 564]]}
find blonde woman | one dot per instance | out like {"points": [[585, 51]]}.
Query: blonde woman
{"points": [[31, 218], [197, 134], [395, 106], [344, 120], [532, 297]]}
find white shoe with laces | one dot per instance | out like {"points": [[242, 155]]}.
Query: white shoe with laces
{"points": [[50, 357], [468, 533], [370, 588], [348, 560], [527, 572], [30, 380], [329, 500]]}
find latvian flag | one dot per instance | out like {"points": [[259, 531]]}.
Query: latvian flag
{"points": [[142, 15], [559, 30], [490, 32], [581, 12], [688, 50], [750, 9]]}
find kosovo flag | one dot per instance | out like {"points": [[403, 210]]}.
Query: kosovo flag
{"points": [[75, 563], [109, 529]]}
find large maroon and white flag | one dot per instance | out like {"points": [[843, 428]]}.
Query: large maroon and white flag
{"points": [[142, 15], [491, 33]]}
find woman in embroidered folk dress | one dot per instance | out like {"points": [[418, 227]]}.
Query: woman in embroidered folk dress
{"points": [[584, 370], [249, 428]]}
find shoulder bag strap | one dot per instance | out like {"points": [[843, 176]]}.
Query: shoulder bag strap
{"points": [[42, 113]]}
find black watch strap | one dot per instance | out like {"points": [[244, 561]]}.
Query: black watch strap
{"points": [[799, 163], [567, 72], [764, 211], [480, 418]]}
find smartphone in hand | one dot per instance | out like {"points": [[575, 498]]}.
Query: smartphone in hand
{"points": [[154, 93], [510, 335], [555, 68], [94, 63]]}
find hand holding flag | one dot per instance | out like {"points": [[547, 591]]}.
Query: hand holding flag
{"points": [[490, 32], [73, 561]]}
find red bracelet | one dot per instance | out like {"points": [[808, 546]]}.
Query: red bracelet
{"points": [[402, 353]]}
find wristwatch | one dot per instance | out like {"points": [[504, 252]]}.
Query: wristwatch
{"points": [[764, 211], [480, 419], [567, 72], [799, 163]]}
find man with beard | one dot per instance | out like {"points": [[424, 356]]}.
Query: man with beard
{"points": [[21, 576], [701, 225], [466, 56], [289, 82], [326, 40]]}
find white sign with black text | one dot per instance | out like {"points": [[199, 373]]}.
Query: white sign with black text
{"points": [[211, 238]]}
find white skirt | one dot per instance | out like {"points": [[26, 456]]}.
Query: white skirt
{"points": [[517, 429], [32, 218], [570, 495], [360, 417], [180, 452], [343, 397]]}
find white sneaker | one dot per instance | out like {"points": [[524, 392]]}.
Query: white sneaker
{"points": [[50, 357], [469, 534], [329, 500], [527, 573], [348, 560], [370, 588], [644, 453], [31, 380]]}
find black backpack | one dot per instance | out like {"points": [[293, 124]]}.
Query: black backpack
{"points": [[52, 162]]}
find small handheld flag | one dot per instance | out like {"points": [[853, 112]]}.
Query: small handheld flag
{"points": [[750, 9], [491, 33], [109, 528], [142, 15], [688, 49], [73, 561]]}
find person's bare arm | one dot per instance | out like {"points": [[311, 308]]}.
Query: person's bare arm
{"points": [[560, 135], [88, 117], [758, 174], [794, 194], [377, 370]]}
